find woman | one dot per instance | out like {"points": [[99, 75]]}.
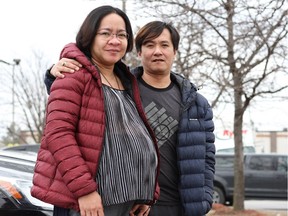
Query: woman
{"points": [[98, 154]]}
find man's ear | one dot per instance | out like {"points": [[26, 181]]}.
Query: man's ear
{"points": [[139, 54], [175, 53]]}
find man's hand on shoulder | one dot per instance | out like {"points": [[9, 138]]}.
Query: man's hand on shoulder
{"points": [[65, 65]]}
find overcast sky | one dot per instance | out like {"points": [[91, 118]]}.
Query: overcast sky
{"points": [[47, 25], [41, 25]]}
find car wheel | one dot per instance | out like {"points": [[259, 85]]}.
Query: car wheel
{"points": [[218, 196]]}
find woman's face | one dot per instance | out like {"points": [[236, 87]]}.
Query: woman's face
{"points": [[110, 42]]}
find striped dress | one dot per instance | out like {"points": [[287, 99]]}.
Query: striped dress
{"points": [[127, 169]]}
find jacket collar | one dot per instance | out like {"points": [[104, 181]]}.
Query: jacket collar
{"points": [[188, 90]]}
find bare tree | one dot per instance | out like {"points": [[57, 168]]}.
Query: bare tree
{"points": [[237, 47], [32, 97], [30, 101]]}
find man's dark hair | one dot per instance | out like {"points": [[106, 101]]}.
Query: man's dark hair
{"points": [[153, 30]]}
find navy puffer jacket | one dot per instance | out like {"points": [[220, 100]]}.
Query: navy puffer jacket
{"points": [[196, 151]]}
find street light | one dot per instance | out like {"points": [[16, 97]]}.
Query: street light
{"points": [[16, 62]]}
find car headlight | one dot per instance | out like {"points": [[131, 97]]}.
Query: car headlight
{"points": [[18, 191]]}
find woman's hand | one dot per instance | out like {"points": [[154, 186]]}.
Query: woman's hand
{"points": [[140, 210], [64, 65], [91, 205]]}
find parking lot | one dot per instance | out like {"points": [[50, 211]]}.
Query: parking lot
{"points": [[279, 206], [20, 163]]}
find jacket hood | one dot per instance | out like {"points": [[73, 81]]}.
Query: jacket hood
{"points": [[188, 90], [73, 52]]}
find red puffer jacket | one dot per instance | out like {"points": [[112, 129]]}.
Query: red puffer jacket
{"points": [[72, 143]]}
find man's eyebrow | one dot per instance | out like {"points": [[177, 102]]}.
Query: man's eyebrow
{"points": [[161, 42], [148, 41]]}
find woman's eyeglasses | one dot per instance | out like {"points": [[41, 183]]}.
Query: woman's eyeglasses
{"points": [[108, 35]]}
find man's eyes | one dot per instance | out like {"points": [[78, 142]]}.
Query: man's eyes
{"points": [[149, 45], [153, 45]]}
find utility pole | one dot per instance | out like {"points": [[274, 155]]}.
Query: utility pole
{"points": [[16, 63], [124, 6]]}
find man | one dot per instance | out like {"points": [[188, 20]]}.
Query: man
{"points": [[181, 119]]}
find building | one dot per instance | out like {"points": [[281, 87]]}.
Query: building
{"points": [[272, 141]]}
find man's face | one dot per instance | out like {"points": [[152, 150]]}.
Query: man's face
{"points": [[157, 55]]}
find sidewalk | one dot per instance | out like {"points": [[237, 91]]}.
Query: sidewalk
{"points": [[222, 210]]}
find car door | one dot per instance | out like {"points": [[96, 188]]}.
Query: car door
{"points": [[263, 179], [281, 174]]}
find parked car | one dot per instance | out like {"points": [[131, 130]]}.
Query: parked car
{"points": [[23, 147], [265, 177], [246, 149], [16, 172]]}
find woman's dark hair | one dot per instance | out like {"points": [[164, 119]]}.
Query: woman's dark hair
{"points": [[153, 30], [90, 26]]}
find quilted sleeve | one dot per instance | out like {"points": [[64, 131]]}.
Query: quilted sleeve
{"points": [[63, 112], [48, 79]]}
